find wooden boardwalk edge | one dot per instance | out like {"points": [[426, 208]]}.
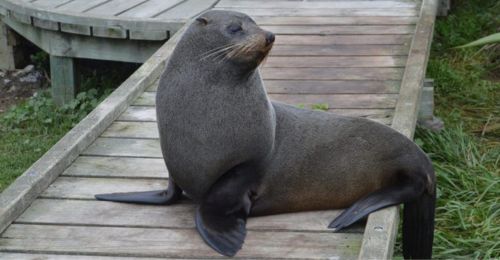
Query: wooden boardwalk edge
{"points": [[381, 227], [20, 194]]}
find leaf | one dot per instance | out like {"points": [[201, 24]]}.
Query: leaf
{"points": [[493, 38]]}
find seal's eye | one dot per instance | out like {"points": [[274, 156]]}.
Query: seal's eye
{"points": [[234, 28]]}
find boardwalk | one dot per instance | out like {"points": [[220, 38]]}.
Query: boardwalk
{"points": [[362, 58]]}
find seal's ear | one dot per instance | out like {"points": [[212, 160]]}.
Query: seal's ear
{"points": [[202, 20]]}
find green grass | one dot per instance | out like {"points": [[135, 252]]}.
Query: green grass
{"points": [[466, 155], [29, 129]]}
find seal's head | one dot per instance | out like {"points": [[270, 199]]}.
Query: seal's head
{"points": [[231, 37]]}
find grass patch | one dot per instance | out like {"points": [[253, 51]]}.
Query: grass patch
{"points": [[32, 127], [466, 154]]}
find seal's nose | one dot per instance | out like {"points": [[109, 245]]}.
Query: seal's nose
{"points": [[269, 38]]}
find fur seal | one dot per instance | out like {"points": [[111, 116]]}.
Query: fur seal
{"points": [[237, 154]]}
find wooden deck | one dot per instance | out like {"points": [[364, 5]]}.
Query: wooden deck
{"points": [[362, 58]]}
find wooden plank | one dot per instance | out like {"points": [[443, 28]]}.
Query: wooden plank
{"points": [[114, 7], [132, 130], [341, 39], [332, 73], [7, 60], [187, 9], [340, 29], [335, 62], [381, 228], [20, 194], [78, 46], [87, 188], [24, 11], [340, 101], [117, 167], [339, 50], [76, 29], [28, 256], [163, 243], [150, 8], [80, 6], [109, 32], [333, 100], [49, 3], [139, 113], [63, 84], [323, 12], [341, 20], [332, 87], [315, 5], [179, 215], [125, 147], [45, 24]]}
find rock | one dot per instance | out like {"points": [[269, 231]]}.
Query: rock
{"points": [[434, 124], [2, 74], [24, 71], [6, 82], [12, 89], [32, 77]]}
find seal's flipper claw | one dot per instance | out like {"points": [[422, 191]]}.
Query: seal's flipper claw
{"points": [[224, 233], [157, 197], [377, 200]]}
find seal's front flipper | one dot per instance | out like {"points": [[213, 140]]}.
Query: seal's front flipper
{"points": [[224, 233], [157, 197], [379, 199], [221, 217]]}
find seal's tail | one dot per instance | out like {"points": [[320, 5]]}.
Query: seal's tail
{"points": [[418, 227]]}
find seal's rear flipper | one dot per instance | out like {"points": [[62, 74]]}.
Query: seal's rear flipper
{"points": [[157, 197], [379, 199]]}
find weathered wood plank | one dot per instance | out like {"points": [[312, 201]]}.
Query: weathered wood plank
{"points": [[340, 101], [28, 256], [324, 12], [184, 243], [132, 130], [45, 24], [63, 85], [114, 7], [87, 188], [315, 5], [7, 60], [49, 3], [342, 20], [139, 113], [117, 167], [340, 29], [180, 215], [76, 29], [124, 147], [332, 73], [341, 39], [80, 6], [291, 87], [79, 46], [150, 8], [381, 228], [332, 87], [334, 101], [187, 9], [339, 50]]}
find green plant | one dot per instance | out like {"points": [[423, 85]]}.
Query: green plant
{"points": [[320, 106]]}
